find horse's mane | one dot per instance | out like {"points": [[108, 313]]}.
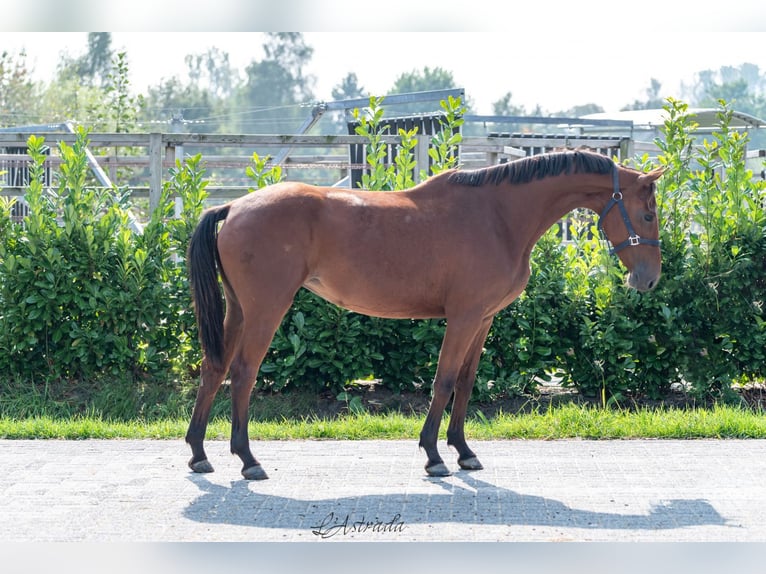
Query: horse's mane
{"points": [[535, 167]]}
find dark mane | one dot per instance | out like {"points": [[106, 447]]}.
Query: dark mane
{"points": [[535, 167]]}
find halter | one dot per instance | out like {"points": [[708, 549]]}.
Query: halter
{"points": [[634, 238]]}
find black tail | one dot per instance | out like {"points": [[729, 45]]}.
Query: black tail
{"points": [[203, 263]]}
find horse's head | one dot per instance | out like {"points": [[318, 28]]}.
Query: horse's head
{"points": [[629, 221]]}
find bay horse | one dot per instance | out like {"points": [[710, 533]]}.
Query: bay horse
{"points": [[455, 246]]}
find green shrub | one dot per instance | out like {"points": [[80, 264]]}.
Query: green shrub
{"points": [[82, 296], [528, 337], [720, 302], [319, 345], [703, 326]]}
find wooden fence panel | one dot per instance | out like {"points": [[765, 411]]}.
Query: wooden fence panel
{"points": [[228, 180]]}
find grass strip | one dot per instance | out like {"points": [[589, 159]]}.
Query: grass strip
{"points": [[567, 421]]}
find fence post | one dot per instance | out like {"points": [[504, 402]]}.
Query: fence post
{"points": [[175, 153], [422, 161], [155, 170], [627, 149]]}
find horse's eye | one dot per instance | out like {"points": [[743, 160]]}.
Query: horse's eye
{"points": [[648, 217]]}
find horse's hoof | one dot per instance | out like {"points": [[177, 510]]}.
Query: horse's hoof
{"points": [[438, 469], [471, 463], [255, 473], [201, 466]]}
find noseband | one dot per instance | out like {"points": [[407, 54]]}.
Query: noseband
{"points": [[634, 238]]}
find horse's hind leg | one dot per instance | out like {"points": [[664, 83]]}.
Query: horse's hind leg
{"points": [[211, 377], [210, 381], [467, 460], [244, 370]]}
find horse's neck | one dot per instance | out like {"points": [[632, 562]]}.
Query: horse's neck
{"points": [[538, 205]]}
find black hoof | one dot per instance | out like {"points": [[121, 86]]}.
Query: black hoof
{"points": [[471, 463], [438, 469], [254, 473], [201, 466]]}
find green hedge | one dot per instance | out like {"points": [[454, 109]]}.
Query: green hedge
{"points": [[84, 299]]}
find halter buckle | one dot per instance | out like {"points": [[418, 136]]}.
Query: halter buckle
{"points": [[634, 240]]}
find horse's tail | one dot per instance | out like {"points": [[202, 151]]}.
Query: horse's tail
{"points": [[204, 263]]}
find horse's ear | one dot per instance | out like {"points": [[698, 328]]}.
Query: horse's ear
{"points": [[652, 176]]}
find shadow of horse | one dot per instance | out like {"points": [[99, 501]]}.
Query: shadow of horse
{"points": [[462, 499]]}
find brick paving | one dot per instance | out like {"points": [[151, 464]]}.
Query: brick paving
{"points": [[530, 491]]}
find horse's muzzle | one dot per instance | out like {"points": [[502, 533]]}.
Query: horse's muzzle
{"points": [[641, 280]]}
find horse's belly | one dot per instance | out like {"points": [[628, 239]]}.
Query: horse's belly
{"points": [[370, 300]]}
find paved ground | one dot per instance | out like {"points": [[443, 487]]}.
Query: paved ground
{"points": [[568, 490]]}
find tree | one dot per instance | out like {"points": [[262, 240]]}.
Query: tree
{"points": [[198, 103], [274, 87], [172, 100], [82, 87], [77, 91], [654, 99], [67, 98], [735, 92], [581, 110], [213, 71], [743, 86], [97, 62], [504, 107], [291, 52], [424, 80], [93, 67], [17, 90], [349, 89], [121, 110]]}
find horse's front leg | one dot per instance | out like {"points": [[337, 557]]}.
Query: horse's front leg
{"points": [[457, 345], [467, 459], [443, 387]]}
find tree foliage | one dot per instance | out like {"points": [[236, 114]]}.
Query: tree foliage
{"points": [[273, 88], [506, 107], [200, 102], [17, 90], [119, 110], [274, 94], [743, 86], [349, 88], [423, 80], [93, 67], [427, 79], [654, 99]]}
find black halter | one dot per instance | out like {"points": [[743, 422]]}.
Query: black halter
{"points": [[633, 237]]}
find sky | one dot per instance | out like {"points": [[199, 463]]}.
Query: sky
{"points": [[607, 55]]}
